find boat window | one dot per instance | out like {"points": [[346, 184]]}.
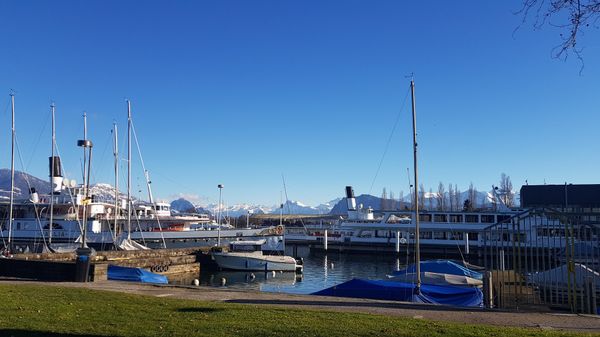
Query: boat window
{"points": [[456, 236], [519, 237], [473, 236], [439, 218], [456, 218], [425, 217], [487, 218], [426, 235], [471, 218], [503, 217], [440, 235]]}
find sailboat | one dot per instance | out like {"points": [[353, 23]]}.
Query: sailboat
{"points": [[125, 242], [409, 287]]}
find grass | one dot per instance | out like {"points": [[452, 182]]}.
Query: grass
{"points": [[31, 310]]}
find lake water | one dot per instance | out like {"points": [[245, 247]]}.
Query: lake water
{"points": [[320, 271]]}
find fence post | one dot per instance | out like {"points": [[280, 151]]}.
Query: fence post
{"points": [[488, 290]]}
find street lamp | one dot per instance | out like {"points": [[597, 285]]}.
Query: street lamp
{"points": [[82, 260], [85, 143]]}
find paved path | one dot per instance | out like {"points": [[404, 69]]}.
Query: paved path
{"points": [[582, 323]]}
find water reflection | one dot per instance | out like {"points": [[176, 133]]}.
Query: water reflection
{"points": [[320, 271]]}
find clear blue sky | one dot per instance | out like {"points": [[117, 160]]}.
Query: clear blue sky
{"points": [[239, 92]]}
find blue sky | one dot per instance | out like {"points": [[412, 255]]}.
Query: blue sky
{"points": [[241, 92]]}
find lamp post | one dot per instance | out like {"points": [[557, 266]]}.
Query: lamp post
{"points": [[82, 262], [85, 143], [220, 186]]}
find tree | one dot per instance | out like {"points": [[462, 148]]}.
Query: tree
{"points": [[430, 199], [401, 200], [506, 194], [451, 197], [573, 17], [384, 203], [456, 197], [441, 197], [421, 195], [392, 202], [467, 206], [472, 196]]}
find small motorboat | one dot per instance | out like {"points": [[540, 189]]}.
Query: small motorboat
{"points": [[247, 255]]}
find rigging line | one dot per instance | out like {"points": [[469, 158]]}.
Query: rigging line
{"points": [[137, 143], [29, 188], [288, 204], [387, 145], [101, 160], [37, 142], [76, 207]]}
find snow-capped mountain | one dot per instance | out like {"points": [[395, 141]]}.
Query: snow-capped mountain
{"points": [[23, 182], [238, 209], [289, 207]]}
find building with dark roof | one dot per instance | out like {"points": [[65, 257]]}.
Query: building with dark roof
{"points": [[568, 197]]}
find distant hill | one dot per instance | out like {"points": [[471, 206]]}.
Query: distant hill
{"points": [[23, 182], [367, 200]]}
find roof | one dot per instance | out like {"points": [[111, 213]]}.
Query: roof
{"points": [[584, 195]]}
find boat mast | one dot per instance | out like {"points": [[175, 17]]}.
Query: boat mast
{"points": [[52, 106], [128, 170], [280, 209], [12, 171], [84, 137], [116, 155], [220, 187], [417, 247]]}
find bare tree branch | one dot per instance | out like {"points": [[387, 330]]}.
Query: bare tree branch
{"points": [[574, 17]]}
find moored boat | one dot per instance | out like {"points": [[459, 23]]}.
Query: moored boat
{"points": [[247, 255]]}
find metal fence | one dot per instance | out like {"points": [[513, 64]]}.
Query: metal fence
{"points": [[545, 259]]}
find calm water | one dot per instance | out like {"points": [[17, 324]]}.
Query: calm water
{"points": [[320, 271]]}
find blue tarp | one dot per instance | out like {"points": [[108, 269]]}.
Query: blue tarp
{"points": [[134, 275], [399, 291], [441, 267]]}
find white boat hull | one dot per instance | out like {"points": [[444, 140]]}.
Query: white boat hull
{"points": [[255, 262]]}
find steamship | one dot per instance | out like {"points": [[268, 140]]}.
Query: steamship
{"points": [[35, 228], [442, 233]]}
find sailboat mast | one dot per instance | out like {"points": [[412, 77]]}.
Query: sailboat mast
{"points": [[128, 170], [116, 155], [84, 137], [12, 172], [417, 246], [52, 173]]}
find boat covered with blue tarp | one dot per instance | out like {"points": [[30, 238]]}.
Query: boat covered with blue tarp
{"points": [[130, 274], [441, 267], [405, 292]]}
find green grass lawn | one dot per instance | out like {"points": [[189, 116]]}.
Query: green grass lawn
{"points": [[29, 310]]}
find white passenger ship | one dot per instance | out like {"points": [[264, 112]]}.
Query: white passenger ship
{"points": [[441, 232], [152, 225]]}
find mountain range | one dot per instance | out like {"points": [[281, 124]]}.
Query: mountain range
{"points": [[101, 191]]}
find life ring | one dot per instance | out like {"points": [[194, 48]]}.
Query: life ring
{"points": [[279, 230]]}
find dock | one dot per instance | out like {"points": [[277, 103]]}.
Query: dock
{"points": [[61, 266]]}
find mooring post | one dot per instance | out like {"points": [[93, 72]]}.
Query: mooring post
{"points": [[397, 242], [593, 299], [467, 251], [325, 241], [488, 291]]}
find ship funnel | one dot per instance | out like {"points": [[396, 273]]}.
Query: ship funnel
{"points": [[33, 196], [350, 198], [55, 173]]}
